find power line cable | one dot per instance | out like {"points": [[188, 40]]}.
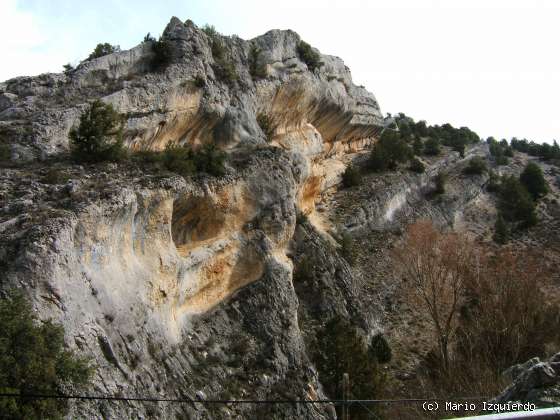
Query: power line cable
{"points": [[250, 401]]}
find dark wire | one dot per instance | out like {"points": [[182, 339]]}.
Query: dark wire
{"points": [[201, 401]]}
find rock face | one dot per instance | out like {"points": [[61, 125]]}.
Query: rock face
{"points": [[534, 381], [183, 287]]}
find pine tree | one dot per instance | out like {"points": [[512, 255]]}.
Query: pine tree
{"points": [[432, 147], [98, 137], [391, 150], [500, 230], [417, 146], [515, 202], [343, 350], [533, 179], [33, 360]]}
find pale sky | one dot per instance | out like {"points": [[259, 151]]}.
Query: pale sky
{"points": [[492, 65]]}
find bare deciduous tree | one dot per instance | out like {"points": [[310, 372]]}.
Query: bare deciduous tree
{"points": [[436, 266], [507, 318]]}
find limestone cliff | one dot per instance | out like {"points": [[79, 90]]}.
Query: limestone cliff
{"points": [[183, 287]]}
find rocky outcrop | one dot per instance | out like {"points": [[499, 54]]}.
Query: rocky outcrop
{"points": [[534, 381], [183, 287], [395, 199], [156, 280], [167, 105]]}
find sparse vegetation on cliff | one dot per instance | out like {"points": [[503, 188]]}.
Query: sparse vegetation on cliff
{"points": [[341, 349], [351, 177], [4, 152], [199, 81], [545, 151], [440, 180], [391, 150], [417, 166], [476, 166], [501, 231], [33, 360], [103, 49], [435, 135], [500, 151], [185, 161], [266, 124], [308, 55], [532, 178], [256, 68], [98, 137], [432, 147], [347, 248], [224, 67], [162, 54], [515, 203]]}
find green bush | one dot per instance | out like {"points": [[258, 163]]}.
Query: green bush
{"points": [[308, 55], [347, 248], [342, 349], [98, 137], [432, 147], [163, 54], [417, 166], [476, 166], [303, 270], [391, 150], [210, 30], [459, 147], [178, 159], [185, 161], [351, 177], [33, 360], [148, 38], [378, 159], [199, 81], [218, 48], [210, 160], [55, 176], [103, 49], [226, 71], [501, 232], [493, 184], [266, 125], [440, 180], [421, 129], [532, 178], [380, 349], [501, 160], [147, 156], [68, 68], [223, 67], [256, 68], [545, 150], [5, 152], [515, 202], [417, 146]]}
